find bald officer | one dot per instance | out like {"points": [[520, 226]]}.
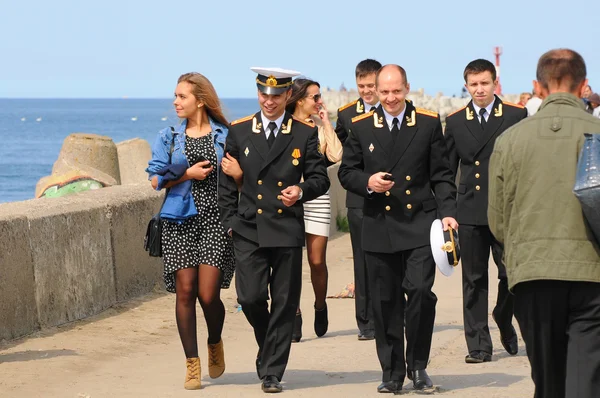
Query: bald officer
{"points": [[282, 169]]}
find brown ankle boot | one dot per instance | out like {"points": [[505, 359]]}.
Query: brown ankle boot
{"points": [[216, 360], [192, 376]]}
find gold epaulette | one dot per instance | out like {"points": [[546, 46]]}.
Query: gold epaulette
{"points": [[361, 117], [348, 105], [309, 124], [456, 111], [426, 112], [512, 104], [244, 119]]}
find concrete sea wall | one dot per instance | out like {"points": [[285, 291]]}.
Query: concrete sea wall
{"points": [[67, 258]]}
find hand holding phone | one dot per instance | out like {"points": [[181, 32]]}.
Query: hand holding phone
{"points": [[202, 158], [388, 177]]}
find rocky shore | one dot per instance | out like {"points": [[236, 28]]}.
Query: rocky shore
{"points": [[440, 103]]}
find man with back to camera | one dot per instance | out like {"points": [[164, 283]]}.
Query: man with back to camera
{"points": [[470, 136], [396, 158], [365, 83], [275, 152], [552, 261]]}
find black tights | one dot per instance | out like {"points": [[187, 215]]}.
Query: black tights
{"points": [[316, 247], [202, 283]]}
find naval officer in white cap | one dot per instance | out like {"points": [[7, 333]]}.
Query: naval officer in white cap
{"points": [[282, 169]]}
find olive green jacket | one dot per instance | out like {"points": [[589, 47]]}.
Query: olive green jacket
{"points": [[531, 205]]}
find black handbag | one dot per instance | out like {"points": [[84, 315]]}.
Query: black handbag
{"points": [[587, 182], [153, 238]]}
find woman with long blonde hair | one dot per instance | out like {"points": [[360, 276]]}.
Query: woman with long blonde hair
{"points": [[197, 251]]}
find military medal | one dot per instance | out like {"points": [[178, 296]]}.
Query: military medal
{"points": [[296, 155], [498, 111]]}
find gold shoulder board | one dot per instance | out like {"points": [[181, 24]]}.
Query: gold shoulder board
{"points": [[456, 111], [244, 119], [426, 112], [348, 105], [309, 124], [513, 105], [361, 117]]}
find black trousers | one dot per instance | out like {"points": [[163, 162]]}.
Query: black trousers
{"points": [[560, 323], [277, 270], [475, 244], [362, 297], [390, 277]]}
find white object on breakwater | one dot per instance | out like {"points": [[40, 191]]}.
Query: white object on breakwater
{"points": [[39, 119], [133, 119]]}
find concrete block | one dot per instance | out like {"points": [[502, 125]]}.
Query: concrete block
{"points": [[72, 257], [131, 207], [134, 156], [18, 309]]}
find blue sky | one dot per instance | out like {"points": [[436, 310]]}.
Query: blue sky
{"points": [[111, 49]]}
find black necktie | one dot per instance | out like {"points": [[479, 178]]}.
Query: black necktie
{"points": [[482, 114], [395, 129], [272, 127], [372, 109]]}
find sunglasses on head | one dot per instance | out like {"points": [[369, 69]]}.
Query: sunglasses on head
{"points": [[315, 97]]}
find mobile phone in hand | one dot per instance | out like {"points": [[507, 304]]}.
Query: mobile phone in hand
{"points": [[388, 177], [201, 158]]}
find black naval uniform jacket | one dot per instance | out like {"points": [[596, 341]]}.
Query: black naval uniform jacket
{"points": [[344, 120], [399, 219], [470, 145], [257, 213]]}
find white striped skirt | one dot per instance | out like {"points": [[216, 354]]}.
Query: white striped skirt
{"points": [[317, 215]]}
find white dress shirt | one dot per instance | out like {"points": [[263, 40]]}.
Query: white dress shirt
{"points": [[368, 107], [487, 108], [266, 121], [389, 118]]}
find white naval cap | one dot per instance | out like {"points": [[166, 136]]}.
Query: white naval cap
{"points": [[274, 80]]}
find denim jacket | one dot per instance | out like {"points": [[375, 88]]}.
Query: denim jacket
{"points": [[179, 203]]}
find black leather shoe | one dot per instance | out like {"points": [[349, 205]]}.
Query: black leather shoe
{"points": [[321, 321], [391, 386], [367, 335], [509, 340], [478, 357], [297, 333], [420, 379], [270, 384]]}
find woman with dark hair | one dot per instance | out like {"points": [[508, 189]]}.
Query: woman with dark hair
{"points": [[197, 252], [306, 103]]}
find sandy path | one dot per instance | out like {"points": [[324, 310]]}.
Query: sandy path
{"points": [[133, 350]]}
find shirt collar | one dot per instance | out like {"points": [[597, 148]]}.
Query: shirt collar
{"points": [[487, 108], [389, 118], [368, 107], [266, 121]]}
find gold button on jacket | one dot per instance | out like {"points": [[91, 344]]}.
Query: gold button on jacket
{"points": [[408, 191], [259, 182], [477, 175], [387, 193], [259, 196], [409, 206], [259, 211], [477, 163], [407, 178], [388, 208], [279, 211], [477, 187], [280, 184]]}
